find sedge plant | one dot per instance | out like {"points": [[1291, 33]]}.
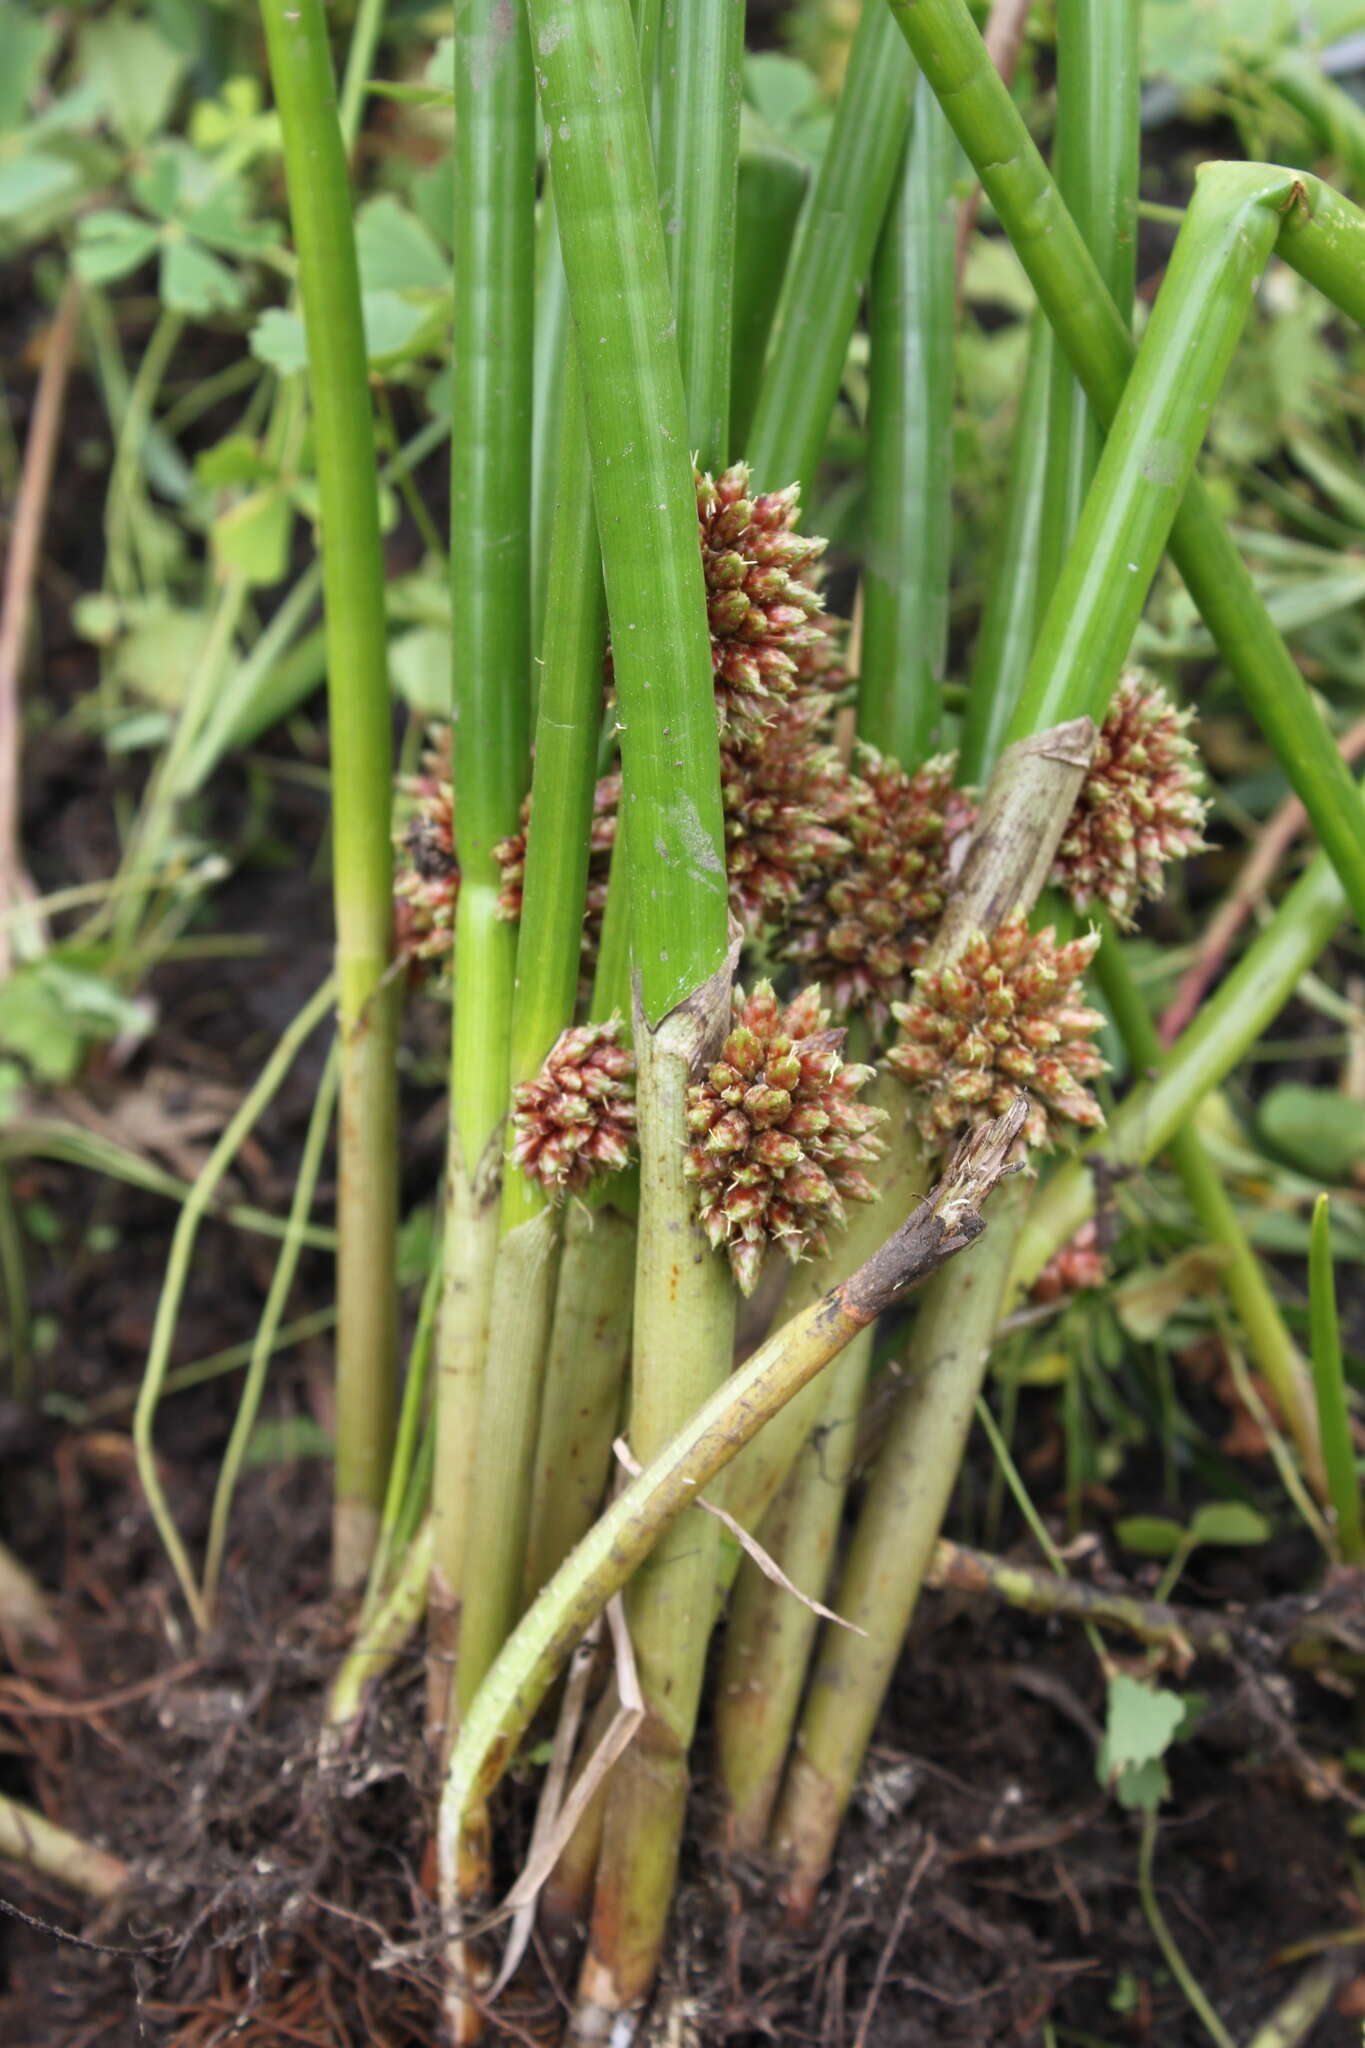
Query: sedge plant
{"points": [[733, 980]]}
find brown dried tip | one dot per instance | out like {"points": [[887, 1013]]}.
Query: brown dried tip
{"points": [[1139, 805], [426, 883], [777, 1138], [1006, 1016], [862, 933], [576, 1120]]}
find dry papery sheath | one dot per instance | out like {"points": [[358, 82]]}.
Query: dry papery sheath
{"points": [[1008, 1012], [777, 1136]]}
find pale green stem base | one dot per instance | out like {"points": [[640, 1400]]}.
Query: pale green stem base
{"points": [[500, 1504], [382, 1638], [893, 1543], [769, 1635], [684, 1339], [469, 1253], [584, 1373]]}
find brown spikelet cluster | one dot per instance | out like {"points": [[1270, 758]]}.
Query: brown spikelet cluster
{"points": [[778, 1138], [763, 613], [863, 932], [1139, 806], [1080, 1264], [786, 796], [576, 1120], [426, 883], [1007, 1014]]}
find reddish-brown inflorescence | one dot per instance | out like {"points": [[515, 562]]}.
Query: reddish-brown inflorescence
{"points": [[427, 879], [1079, 1265], [1006, 1014], [763, 614], [778, 1138], [576, 1120], [786, 795], [1139, 806], [864, 931]]}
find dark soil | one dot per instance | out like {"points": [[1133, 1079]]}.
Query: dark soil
{"points": [[986, 1890]]}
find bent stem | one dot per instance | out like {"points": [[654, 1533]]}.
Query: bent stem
{"points": [[945, 42], [358, 706]]}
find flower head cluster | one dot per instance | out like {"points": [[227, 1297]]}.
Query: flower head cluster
{"points": [[778, 1138], [786, 796], [1139, 805], [762, 612], [576, 1120], [1079, 1265], [864, 931], [1007, 1014], [427, 878]]}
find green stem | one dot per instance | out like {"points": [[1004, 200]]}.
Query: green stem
{"points": [[358, 702], [1095, 162], [1005, 641], [910, 439], [35, 1843], [1229, 231], [944, 40], [701, 76], [1166, 1942], [263, 1346], [493, 249], [602, 167], [772, 187], [830, 262], [1272, 1348], [365, 33], [683, 1346], [893, 1543], [1338, 1450], [585, 1368], [243, 1120], [549, 362], [384, 1634]]}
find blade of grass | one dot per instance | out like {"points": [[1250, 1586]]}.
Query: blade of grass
{"points": [[358, 699], [241, 1123], [910, 448], [1329, 1385], [281, 1281], [771, 191]]}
